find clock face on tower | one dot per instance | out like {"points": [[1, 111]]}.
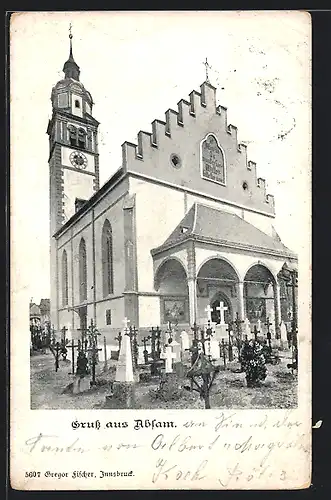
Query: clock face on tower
{"points": [[78, 159]]}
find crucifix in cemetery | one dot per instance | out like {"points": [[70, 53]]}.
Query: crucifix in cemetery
{"points": [[202, 374], [93, 333], [195, 330], [132, 333], [229, 330], [156, 349], [56, 349], [145, 352], [84, 340], [256, 332], [268, 325], [221, 308], [223, 352], [119, 340], [64, 342], [72, 346]]}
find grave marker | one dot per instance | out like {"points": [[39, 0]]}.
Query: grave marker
{"points": [[168, 356]]}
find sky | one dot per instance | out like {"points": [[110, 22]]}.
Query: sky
{"points": [[136, 65]]}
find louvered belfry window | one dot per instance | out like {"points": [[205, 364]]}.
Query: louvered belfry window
{"points": [[107, 259]]}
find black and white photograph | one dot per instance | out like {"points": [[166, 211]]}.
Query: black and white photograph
{"points": [[161, 177]]}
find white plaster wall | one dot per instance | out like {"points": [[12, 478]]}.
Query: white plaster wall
{"points": [[158, 211], [260, 221], [117, 315], [76, 185], [149, 311]]}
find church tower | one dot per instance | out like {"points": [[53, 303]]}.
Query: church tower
{"points": [[73, 153]]}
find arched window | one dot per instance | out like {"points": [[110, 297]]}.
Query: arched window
{"points": [[107, 259], [82, 138], [82, 271], [64, 279]]}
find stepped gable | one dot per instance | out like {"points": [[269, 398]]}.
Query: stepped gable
{"points": [[206, 224], [181, 133]]}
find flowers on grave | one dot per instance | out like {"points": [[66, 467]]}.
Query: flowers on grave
{"points": [[253, 362], [169, 389]]}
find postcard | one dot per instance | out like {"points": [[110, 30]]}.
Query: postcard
{"points": [[160, 250]]}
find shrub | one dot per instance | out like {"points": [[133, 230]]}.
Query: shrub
{"points": [[253, 362]]}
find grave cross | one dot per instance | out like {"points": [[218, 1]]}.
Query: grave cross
{"points": [[156, 335], [132, 333], [256, 331], [84, 340], [209, 310], [268, 325], [119, 340], [145, 352], [221, 308], [168, 356], [64, 335], [229, 329], [195, 330], [72, 346], [93, 349], [223, 352], [125, 322]]}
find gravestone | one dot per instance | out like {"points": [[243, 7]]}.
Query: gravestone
{"points": [[123, 395], [185, 341], [175, 346], [221, 329], [141, 357], [283, 335], [247, 329], [214, 349], [82, 380]]}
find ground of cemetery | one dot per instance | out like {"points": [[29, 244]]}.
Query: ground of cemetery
{"points": [[50, 389]]}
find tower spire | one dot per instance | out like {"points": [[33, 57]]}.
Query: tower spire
{"points": [[71, 68]]}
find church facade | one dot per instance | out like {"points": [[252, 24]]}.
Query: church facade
{"points": [[184, 223]]}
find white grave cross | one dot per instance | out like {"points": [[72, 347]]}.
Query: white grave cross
{"points": [[208, 310], [221, 308], [168, 355], [126, 321]]}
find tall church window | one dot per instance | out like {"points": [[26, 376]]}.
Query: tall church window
{"points": [[82, 271], [107, 259], [64, 279]]}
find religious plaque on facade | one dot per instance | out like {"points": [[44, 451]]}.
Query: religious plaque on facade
{"points": [[212, 160]]}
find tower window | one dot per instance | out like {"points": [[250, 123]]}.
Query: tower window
{"points": [[82, 138], [77, 137], [77, 103]]}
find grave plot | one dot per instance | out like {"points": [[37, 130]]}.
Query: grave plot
{"points": [[209, 368]]}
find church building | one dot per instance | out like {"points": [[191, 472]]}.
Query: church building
{"points": [[184, 222]]}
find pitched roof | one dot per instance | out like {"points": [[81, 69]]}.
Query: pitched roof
{"points": [[205, 223]]}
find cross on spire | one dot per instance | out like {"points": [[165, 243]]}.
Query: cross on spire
{"points": [[207, 68], [70, 33]]}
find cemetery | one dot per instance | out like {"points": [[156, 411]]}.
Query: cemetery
{"points": [[209, 366]]}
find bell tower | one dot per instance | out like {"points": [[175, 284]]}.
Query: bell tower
{"points": [[73, 146], [73, 155]]}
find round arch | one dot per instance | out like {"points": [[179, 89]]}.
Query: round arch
{"points": [[221, 258], [261, 264], [170, 267]]}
